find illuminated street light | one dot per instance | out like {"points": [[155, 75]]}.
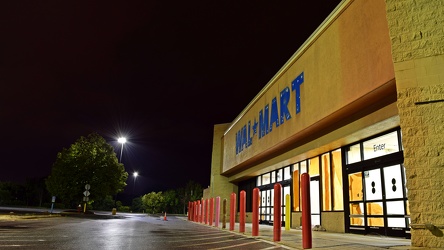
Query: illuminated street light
{"points": [[135, 174], [122, 141]]}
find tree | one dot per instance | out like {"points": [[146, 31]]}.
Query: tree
{"points": [[153, 202], [137, 205], [90, 160], [171, 201]]}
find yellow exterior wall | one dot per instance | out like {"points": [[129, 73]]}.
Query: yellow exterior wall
{"points": [[219, 185], [417, 35], [345, 60], [353, 59]]}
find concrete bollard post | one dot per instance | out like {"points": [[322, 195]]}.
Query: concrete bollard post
{"points": [[306, 212], [224, 215], [204, 211], [287, 212], [232, 211], [277, 217], [195, 211], [207, 210], [216, 223], [200, 211], [242, 207], [255, 219], [211, 211]]}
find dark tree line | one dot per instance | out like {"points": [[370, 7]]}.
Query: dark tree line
{"points": [[91, 162]]}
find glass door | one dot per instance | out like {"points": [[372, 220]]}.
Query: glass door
{"points": [[266, 207], [378, 201], [315, 205]]}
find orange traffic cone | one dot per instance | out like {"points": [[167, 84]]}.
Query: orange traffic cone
{"points": [[165, 216]]}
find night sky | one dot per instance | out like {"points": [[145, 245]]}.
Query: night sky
{"points": [[160, 73]]}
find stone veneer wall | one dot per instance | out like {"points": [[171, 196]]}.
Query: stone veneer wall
{"points": [[417, 37]]}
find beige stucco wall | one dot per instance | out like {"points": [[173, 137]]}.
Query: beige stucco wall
{"points": [[417, 35], [219, 184], [333, 221], [337, 73], [397, 39]]}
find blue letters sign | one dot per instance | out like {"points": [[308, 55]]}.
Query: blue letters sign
{"points": [[270, 115]]}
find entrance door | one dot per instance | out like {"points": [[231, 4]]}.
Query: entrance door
{"points": [[378, 201], [266, 207], [315, 205]]}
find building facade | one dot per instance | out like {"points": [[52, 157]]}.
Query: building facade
{"points": [[360, 108]]}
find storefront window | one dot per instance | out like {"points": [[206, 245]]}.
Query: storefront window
{"points": [[287, 175], [296, 188], [279, 175], [266, 179], [273, 177], [259, 181], [337, 187], [326, 187], [353, 154], [382, 145], [313, 167], [303, 165]]}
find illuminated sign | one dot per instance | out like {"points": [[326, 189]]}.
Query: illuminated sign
{"points": [[275, 114]]}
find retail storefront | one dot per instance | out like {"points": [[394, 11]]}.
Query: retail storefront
{"points": [[331, 111]]}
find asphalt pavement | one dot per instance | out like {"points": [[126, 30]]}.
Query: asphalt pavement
{"points": [[291, 239]]}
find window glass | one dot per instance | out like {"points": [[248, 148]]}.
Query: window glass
{"points": [[266, 179], [273, 177], [393, 182], [313, 167], [326, 185], [373, 187], [353, 154], [396, 222], [356, 214], [303, 165], [336, 169], [395, 207], [375, 222], [374, 208], [296, 188], [287, 174], [279, 175], [382, 145], [355, 187], [258, 181]]}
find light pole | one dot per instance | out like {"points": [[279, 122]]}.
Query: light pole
{"points": [[122, 141], [135, 174]]}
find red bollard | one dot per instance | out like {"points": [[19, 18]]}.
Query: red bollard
{"points": [[211, 210], [207, 211], [306, 211], [232, 211], [204, 211], [242, 201], [199, 211], [216, 223], [277, 208], [196, 211], [224, 213], [255, 219]]}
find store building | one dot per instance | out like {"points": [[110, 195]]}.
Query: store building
{"points": [[360, 108]]}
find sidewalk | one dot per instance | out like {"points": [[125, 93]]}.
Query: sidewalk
{"points": [[292, 239]]}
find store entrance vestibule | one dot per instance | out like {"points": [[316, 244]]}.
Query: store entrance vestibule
{"points": [[377, 195]]}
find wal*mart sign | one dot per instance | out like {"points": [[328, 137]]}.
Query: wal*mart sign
{"points": [[275, 114]]}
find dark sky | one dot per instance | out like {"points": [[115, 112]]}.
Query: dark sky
{"points": [[161, 73]]}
